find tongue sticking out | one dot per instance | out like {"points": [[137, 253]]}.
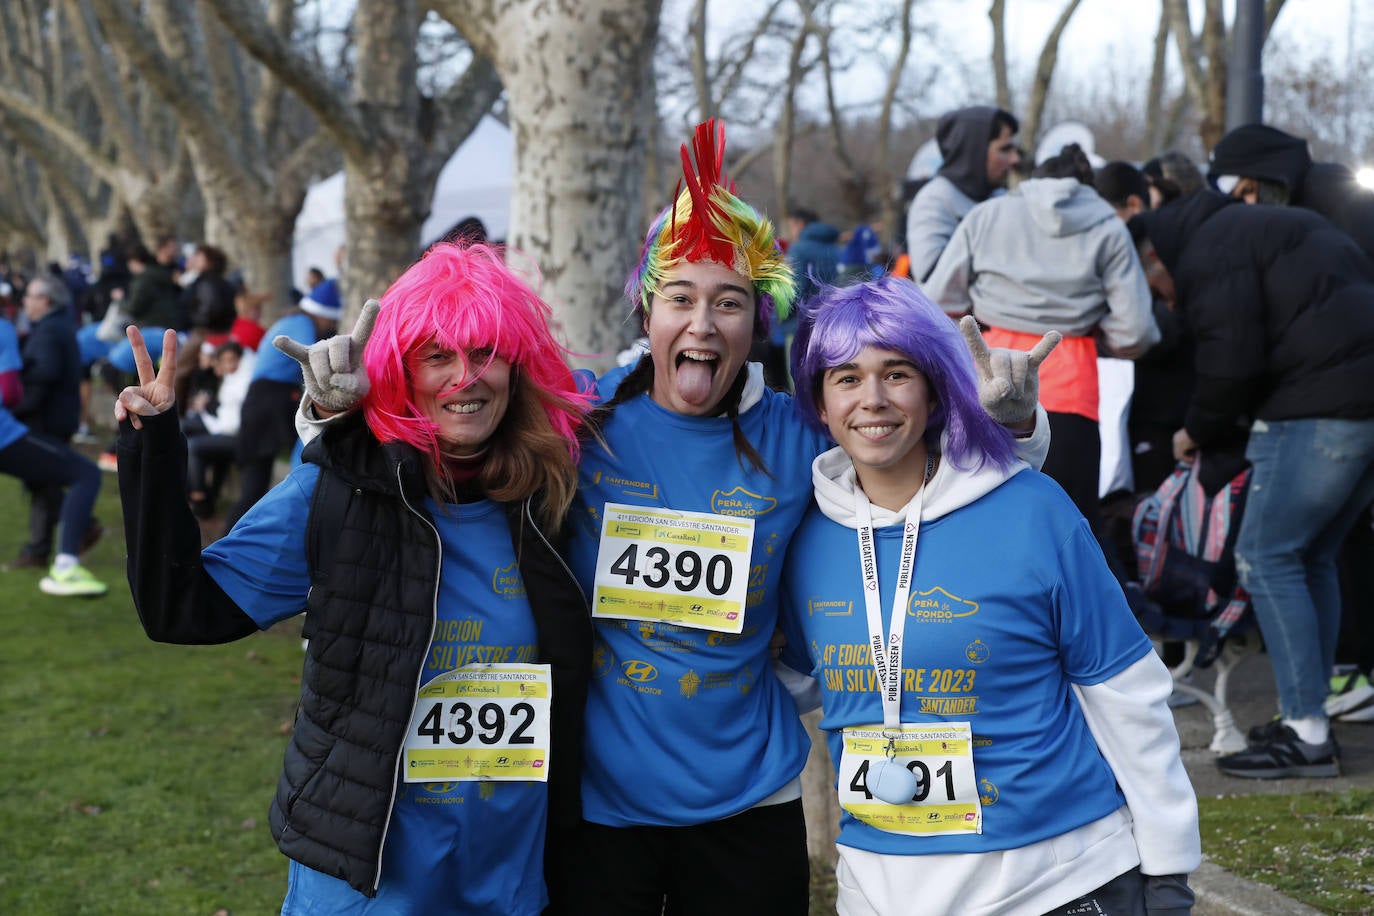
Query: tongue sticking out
{"points": [[694, 380]]}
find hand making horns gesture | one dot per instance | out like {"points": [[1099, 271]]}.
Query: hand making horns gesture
{"points": [[153, 394], [1008, 380]]}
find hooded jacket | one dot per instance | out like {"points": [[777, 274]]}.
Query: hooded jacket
{"points": [[1051, 255], [1126, 713], [1328, 188], [962, 181], [1278, 302]]}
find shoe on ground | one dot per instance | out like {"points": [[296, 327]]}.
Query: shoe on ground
{"points": [[83, 436], [75, 581], [29, 561], [108, 461], [1349, 692], [1283, 755], [1259, 734], [91, 536]]}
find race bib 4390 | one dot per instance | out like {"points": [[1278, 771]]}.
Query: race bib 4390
{"points": [[685, 568]]}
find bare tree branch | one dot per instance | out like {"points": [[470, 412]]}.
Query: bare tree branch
{"points": [[1044, 73], [251, 29], [997, 12], [1154, 93]]}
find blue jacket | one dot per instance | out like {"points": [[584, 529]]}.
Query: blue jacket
{"points": [[815, 258], [52, 376]]}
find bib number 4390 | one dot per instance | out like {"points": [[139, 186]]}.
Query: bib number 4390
{"points": [[686, 571]]}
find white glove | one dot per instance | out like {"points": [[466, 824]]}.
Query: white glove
{"points": [[1008, 380], [332, 368]]}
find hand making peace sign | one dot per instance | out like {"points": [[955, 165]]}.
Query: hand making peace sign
{"points": [[153, 394]]}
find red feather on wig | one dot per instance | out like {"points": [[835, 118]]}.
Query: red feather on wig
{"points": [[700, 238]]}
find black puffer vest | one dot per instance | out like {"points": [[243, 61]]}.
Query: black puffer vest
{"points": [[375, 574]]}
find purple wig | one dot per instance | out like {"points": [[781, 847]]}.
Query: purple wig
{"points": [[893, 314]]}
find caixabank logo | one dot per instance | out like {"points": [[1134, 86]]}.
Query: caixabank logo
{"points": [[740, 502]]}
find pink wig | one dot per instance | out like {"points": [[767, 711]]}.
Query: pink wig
{"points": [[464, 298]]}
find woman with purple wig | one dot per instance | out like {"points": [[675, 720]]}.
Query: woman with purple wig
{"points": [[438, 730], [686, 503], [990, 703]]}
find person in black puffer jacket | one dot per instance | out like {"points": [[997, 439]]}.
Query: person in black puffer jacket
{"points": [[1277, 301], [436, 748], [1272, 167]]}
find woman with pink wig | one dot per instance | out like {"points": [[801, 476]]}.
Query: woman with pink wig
{"points": [[438, 730]]}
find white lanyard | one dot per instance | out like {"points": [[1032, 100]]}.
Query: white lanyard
{"points": [[887, 660]]}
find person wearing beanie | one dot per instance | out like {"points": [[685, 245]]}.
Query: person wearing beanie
{"points": [[1262, 164], [979, 149], [1277, 300]]}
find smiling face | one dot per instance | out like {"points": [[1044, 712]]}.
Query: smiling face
{"points": [[700, 327], [877, 406], [465, 394]]}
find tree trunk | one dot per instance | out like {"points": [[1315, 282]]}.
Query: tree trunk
{"points": [[575, 77], [386, 200], [263, 253]]}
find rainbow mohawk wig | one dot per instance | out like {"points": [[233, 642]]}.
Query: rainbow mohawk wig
{"points": [[707, 222]]}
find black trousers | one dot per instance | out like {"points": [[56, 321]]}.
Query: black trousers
{"points": [[752, 864]]}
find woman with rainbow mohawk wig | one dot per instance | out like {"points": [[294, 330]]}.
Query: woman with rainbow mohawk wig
{"points": [[437, 738], [1005, 744], [686, 503]]}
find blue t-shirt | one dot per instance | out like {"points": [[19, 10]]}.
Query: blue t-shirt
{"points": [[686, 726], [11, 430], [1011, 604], [460, 848], [274, 365]]}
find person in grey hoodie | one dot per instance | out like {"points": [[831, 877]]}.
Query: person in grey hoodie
{"points": [[979, 149], [1053, 256]]}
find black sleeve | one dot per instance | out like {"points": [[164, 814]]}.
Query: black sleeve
{"points": [[177, 601]]}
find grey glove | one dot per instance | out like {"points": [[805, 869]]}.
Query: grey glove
{"points": [[332, 368], [1008, 380]]}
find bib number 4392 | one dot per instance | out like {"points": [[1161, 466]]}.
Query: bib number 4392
{"points": [[489, 724]]}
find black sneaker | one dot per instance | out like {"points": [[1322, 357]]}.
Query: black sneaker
{"points": [[1282, 754], [1261, 734]]}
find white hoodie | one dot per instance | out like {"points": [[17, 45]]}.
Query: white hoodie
{"points": [[1129, 718]]}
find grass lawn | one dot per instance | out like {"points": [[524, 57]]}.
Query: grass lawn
{"points": [[137, 776]]}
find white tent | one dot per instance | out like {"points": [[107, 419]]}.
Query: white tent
{"points": [[476, 181]]}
